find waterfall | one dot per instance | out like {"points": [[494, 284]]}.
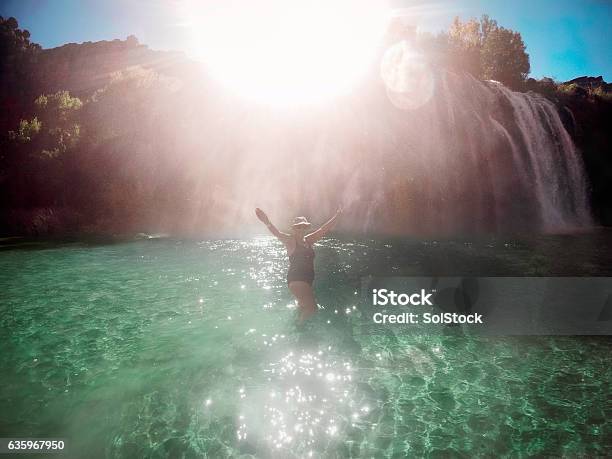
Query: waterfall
{"points": [[445, 154], [484, 157], [558, 175]]}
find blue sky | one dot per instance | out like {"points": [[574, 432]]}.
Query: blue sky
{"points": [[564, 38]]}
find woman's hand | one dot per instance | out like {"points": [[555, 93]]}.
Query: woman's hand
{"points": [[283, 237], [262, 216], [324, 229]]}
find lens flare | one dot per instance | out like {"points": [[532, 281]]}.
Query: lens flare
{"points": [[407, 76], [286, 52]]}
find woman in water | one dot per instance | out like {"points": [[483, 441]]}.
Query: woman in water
{"points": [[301, 258]]}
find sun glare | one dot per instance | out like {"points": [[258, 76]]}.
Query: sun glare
{"points": [[286, 52]]}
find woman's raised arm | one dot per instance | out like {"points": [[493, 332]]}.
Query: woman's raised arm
{"points": [[324, 229], [261, 215]]}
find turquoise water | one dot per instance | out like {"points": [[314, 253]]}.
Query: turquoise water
{"points": [[169, 348]]}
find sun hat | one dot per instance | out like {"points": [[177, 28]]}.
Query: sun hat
{"points": [[300, 222]]}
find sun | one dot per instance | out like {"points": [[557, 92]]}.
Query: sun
{"points": [[286, 52]]}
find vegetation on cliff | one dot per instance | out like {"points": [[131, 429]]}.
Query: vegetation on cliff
{"points": [[96, 136]]}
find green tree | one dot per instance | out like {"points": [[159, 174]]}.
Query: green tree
{"points": [[464, 45], [488, 51], [18, 57], [55, 128], [503, 57], [16, 50], [27, 130]]}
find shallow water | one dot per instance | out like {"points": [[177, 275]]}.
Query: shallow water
{"points": [[169, 348]]}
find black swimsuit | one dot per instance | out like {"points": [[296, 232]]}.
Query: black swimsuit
{"points": [[301, 264]]}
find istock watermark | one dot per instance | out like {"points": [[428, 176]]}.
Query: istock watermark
{"points": [[384, 297], [492, 305]]}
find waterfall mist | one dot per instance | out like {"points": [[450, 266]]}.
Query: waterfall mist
{"points": [[470, 156]]}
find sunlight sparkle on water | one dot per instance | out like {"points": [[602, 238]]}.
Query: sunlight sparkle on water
{"points": [[309, 398], [419, 387]]}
